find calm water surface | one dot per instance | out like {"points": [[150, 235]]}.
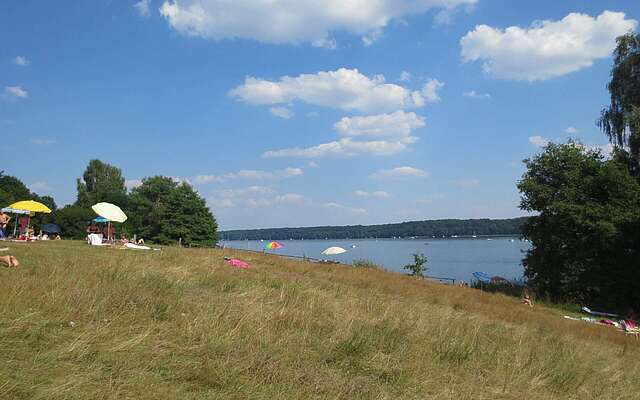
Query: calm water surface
{"points": [[450, 258]]}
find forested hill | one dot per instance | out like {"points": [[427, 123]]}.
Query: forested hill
{"points": [[438, 228]]}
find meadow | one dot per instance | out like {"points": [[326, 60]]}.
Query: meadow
{"points": [[79, 322]]}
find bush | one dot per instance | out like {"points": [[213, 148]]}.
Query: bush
{"points": [[419, 267], [364, 263]]}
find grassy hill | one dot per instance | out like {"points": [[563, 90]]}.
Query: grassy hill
{"points": [[96, 323]]}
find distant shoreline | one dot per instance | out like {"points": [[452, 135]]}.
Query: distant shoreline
{"points": [[428, 229]]}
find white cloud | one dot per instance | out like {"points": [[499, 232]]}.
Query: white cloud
{"points": [[132, 183], [345, 89], [371, 37], [538, 141], [399, 172], [142, 7], [388, 134], [42, 142], [293, 21], [571, 130], [39, 186], [429, 199], [281, 112], [546, 49], [397, 125], [342, 147], [405, 76], [15, 92], [378, 194], [465, 183], [312, 164], [430, 90], [21, 61], [474, 95], [250, 174]]}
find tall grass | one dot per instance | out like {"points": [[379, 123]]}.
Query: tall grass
{"points": [[95, 323]]}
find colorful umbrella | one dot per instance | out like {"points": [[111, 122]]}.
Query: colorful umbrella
{"points": [[109, 211], [273, 245], [332, 251], [30, 205]]}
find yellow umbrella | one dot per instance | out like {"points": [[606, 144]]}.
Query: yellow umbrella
{"points": [[30, 205]]}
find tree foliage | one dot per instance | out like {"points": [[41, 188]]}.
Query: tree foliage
{"points": [[586, 236], [621, 120], [437, 228], [101, 182], [419, 266]]}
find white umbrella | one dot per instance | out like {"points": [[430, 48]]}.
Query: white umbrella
{"points": [[109, 211], [332, 251]]}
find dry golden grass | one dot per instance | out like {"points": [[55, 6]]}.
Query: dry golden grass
{"points": [[94, 323]]}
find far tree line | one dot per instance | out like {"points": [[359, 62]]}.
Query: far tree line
{"points": [[160, 210]]}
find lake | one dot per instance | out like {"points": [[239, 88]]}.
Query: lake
{"points": [[448, 258]]}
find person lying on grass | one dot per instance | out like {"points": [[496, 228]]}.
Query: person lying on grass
{"points": [[10, 261]]}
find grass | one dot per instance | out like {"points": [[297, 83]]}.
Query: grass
{"points": [[94, 323]]}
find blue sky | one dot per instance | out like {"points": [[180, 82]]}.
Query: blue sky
{"points": [[299, 113]]}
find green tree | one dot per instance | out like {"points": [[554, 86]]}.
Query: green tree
{"points": [[12, 189], [419, 266], [621, 120], [73, 220], [584, 247], [101, 182], [187, 217], [147, 207]]}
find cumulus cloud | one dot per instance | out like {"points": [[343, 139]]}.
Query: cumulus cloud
{"points": [[399, 172], [465, 183], [405, 76], [42, 142], [21, 61], [14, 92], [377, 194], [132, 183], [546, 49], [538, 141], [39, 186], [281, 112], [571, 130], [142, 7], [293, 21], [382, 134], [431, 89], [250, 174], [345, 89], [474, 95]]}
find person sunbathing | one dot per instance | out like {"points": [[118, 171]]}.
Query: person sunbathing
{"points": [[10, 261]]}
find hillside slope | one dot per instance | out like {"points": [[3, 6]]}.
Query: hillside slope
{"points": [[96, 323]]}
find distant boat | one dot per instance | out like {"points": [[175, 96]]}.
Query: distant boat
{"points": [[512, 240], [353, 246], [489, 239]]}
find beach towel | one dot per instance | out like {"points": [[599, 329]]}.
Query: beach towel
{"points": [[234, 262], [136, 246]]}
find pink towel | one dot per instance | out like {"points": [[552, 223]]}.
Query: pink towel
{"points": [[234, 262]]}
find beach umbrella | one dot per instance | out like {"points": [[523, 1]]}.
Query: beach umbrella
{"points": [[273, 245], [30, 205], [482, 277], [51, 228], [109, 211], [332, 251], [100, 219]]}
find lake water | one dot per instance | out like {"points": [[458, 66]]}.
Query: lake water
{"points": [[448, 258]]}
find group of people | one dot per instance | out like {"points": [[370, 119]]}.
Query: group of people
{"points": [[108, 234]]}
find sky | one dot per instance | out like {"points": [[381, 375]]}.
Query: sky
{"points": [[302, 113]]}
